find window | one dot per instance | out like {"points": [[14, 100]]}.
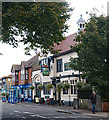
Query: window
{"points": [[71, 89], [26, 74], [22, 75], [13, 76], [65, 91], [16, 76], [75, 90], [45, 90], [80, 25], [59, 65], [67, 66], [73, 86]]}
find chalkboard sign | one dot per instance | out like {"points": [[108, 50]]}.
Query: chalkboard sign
{"points": [[84, 94]]}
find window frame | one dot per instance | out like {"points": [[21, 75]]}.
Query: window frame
{"points": [[26, 74], [59, 65], [67, 67]]}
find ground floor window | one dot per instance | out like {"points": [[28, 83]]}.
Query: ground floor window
{"points": [[73, 89], [45, 90], [65, 91]]}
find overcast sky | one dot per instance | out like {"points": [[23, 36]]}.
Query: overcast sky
{"points": [[16, 55]]}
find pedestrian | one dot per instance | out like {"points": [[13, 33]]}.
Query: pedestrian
{"points": [[22, 97], [18, 98], [7, 96], [93, 100]]}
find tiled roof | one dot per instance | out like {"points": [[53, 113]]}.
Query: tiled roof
{"points": [[65, 44], [30, 62], [9, 76], [15, 67]]}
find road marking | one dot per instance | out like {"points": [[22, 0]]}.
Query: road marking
{"points": [[17, 111], [32, 115], [40, 116], [59, 117], [23, 117], [11, 104], [27, 113], [11, 113]]}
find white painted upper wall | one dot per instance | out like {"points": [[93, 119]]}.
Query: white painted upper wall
{"points": [[65, 59]]}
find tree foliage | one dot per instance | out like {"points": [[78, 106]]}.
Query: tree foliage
{"points": [[38, 24], [92, 50]]}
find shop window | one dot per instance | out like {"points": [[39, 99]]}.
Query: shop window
{"points": [[59, 65], [67, 66]]}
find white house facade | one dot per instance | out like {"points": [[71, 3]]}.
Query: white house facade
{"points": [[59, 71]]}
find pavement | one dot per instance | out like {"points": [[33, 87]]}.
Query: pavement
{"points": [[87, 112], [71, 110]]}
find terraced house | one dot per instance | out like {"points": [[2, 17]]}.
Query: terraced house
{"points": [[5, 83], [21, 79]]}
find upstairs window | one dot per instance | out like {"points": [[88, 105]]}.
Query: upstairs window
{"points": [[22, 75], [67, 66], [59, 65], [13, 76], [16, 76], [26, 74], [80, 25]]}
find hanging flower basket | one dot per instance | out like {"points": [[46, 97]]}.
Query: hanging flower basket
{"points": [[40, 87], [3, 94], [59, 86], [66, 86], [32, 87], [49, 86]]}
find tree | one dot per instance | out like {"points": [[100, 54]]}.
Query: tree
{"points": [[92, 50], [38, 24]]}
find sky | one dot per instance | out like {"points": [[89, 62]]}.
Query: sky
{"points": [[16, 55]]}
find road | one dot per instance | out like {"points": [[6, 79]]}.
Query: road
{"points": [[33, 111]]}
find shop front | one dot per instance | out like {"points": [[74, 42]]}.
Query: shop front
{"points": [[18, 90]]}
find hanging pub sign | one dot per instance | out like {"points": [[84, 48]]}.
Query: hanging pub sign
{"points": [[45, 70]]}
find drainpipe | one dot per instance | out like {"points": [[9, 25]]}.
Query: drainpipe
{"points": [[69, 90]]}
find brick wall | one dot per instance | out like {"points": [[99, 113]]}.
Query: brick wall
{"points": [[29, 75], [19, 75]]}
